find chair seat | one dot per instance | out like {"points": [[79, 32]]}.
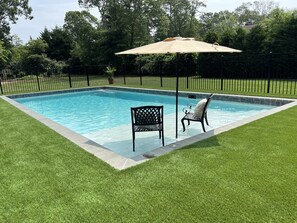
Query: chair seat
{"points": [[190, 116], [143, 128]]}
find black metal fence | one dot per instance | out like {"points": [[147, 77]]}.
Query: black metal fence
{"points": [[271, 74]]}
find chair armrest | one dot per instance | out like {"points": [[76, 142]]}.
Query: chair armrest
{"points": [[188, 109]]}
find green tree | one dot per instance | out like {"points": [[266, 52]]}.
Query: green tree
{"points": [[60, 43], [81, 25], [280, 27], [239, 41], [256, 39], [263, 37], [111, 41], [32, 59], [285, 36], [162, 30], [10, 11], [84, 29], [264, 7], [4, 55], [32, 56], [246, 15], [36, 46], [211, 37], [35, 64], [223, 23], [182, 16], [206, 23], [18, 52], [254, 12], [140, 20], [133, 18]]}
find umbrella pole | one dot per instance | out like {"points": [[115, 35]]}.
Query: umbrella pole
{"points": [[176, 108], [176, 96]]}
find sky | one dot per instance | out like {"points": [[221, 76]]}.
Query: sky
{"points": [[51, 13]]}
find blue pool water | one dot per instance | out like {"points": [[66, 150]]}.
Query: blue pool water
{"points": [[104, 115]]}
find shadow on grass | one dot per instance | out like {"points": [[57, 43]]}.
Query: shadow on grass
{"points": [[203, 140]]}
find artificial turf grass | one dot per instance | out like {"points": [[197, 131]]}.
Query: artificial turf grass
{"points": [[247, 174]]}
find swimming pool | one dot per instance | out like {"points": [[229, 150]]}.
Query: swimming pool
{"points": [[103, 116]]}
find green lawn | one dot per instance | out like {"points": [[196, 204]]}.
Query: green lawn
{"points": [[244, 175]]}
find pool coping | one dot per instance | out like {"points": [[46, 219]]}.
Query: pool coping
{"points": [[119, 162]]}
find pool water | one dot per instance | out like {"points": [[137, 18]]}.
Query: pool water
{"points": [[104, 116]]}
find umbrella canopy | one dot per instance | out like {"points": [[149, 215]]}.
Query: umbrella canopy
{"points": [[178, 45]]}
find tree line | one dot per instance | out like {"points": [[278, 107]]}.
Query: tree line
{"points": [[257, 28]]}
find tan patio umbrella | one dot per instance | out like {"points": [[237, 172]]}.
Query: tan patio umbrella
{"points": [[179, 45]]}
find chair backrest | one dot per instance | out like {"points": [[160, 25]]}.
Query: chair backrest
{"points": [[206, 106], [147, 115]]}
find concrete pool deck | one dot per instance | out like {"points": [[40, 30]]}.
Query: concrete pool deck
{"points": [[119, 162]]}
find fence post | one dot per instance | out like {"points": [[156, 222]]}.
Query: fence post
{"points": [[69, 77], [188, 65], [140, 76], [1, 87], [88, 79], [222, 72], [125, 69], [38, 84], [269, 71], [161, 75]]}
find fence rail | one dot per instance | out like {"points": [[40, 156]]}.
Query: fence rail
{"points": [[34, 83], [271, 76]]}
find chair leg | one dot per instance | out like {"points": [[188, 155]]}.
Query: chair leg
{"points": [[206, 119], [163, 137], [188, 122], [160, 134], [202, 123], [182, 121], [133, 139]]}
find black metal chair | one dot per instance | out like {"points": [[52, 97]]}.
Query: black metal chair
{"points": [[147, 118], [190, 115]]}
